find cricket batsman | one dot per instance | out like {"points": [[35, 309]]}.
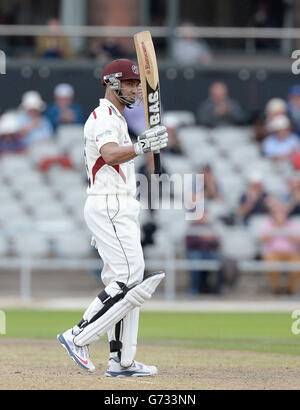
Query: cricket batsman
{"points": [[111, 213]]}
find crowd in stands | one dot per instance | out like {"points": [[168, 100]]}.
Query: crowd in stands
{"points": [[276, 136], [35, 120]]}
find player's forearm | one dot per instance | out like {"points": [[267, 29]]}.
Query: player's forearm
{"points": [[118, 155]]}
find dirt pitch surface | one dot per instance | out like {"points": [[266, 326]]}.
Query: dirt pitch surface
{"points": [[45, 365]]}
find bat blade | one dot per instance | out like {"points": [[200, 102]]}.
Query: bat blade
{"points": [[150, 84]]}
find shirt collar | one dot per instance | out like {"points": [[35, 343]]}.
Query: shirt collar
{"points": [[104, 101]]}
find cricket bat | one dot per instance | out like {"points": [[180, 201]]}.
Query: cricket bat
{"points": [[150, 84]]}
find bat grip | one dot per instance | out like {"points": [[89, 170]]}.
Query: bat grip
{"points": [[157, 166]]}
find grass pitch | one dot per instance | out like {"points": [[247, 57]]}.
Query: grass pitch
{"points": [[261, 332], [193, 351]]}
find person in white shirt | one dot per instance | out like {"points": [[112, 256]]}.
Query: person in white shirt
{"points": [[282, 143], [111, 213]]}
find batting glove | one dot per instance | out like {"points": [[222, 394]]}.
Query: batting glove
{"points": [[151, 140]]}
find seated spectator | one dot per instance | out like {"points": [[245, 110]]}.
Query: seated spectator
{"points": [[54, 46], [148, 198], [220, 109], [265, 17], [211, 190], [106, 49], [174, 145], [281, 143], [135, 118], [275, 107], [292, 200], [33, 125], [188, 49], [64, 110], [211, 187], [255, 200], [10, 138], [202, 242], [281, 243], [293, 107]]}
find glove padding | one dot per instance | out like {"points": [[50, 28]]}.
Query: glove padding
{"points": [[153, 139]]}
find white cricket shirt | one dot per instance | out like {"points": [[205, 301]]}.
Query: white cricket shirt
{"points": [[106, 124]]}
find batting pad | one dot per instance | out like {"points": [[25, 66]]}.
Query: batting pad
{"points": [[129, 337], [135, 297]]}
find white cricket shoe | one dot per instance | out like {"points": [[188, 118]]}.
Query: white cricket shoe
{"points": [[79, 354], [114, 369]]}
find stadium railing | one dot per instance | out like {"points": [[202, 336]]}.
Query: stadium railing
{"points": [[170, 265]]}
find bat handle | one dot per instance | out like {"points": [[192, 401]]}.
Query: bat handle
{"points": [[157, 166]]}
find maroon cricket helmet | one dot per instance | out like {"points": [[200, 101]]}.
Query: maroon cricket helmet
{"points": [[123, 69]]}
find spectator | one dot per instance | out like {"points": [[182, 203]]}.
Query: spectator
{"points": [[135, 118], [147, 199], [281, 143], [33, 125], [106, 49], [275, 107], [211, 190], [219, 109], [255, 200], [63, 110], [136, 122], [174, 145], [188, 49], [202, 242], [292, 200], [281, 243], [263, 17], [54, 46], [211, 186], [10, 138], [293, 107]]}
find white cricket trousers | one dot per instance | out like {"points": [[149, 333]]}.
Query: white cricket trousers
{"points": [[114, 222]]}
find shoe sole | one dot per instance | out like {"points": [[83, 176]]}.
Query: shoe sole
{"points": [[128, 373], [65, 345]]}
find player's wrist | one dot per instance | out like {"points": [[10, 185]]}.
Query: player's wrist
{"points": [[138, 148]]}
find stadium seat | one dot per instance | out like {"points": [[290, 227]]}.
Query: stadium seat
{"points": [[174, 223], [19, 223], [203, 154], [76, 154], [73, 244], [10, 211], [217, 209], [37, 194], [67, 178], [222, 166], [262, 165], [255, 224], [275, 185], [26, 181], [241, 154], [228, 135], [176, 164], [44, 149], [49, 210], [69, 135], [178, 118], [193, 135], [4, 245], [238, 244], [33, 244]]}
